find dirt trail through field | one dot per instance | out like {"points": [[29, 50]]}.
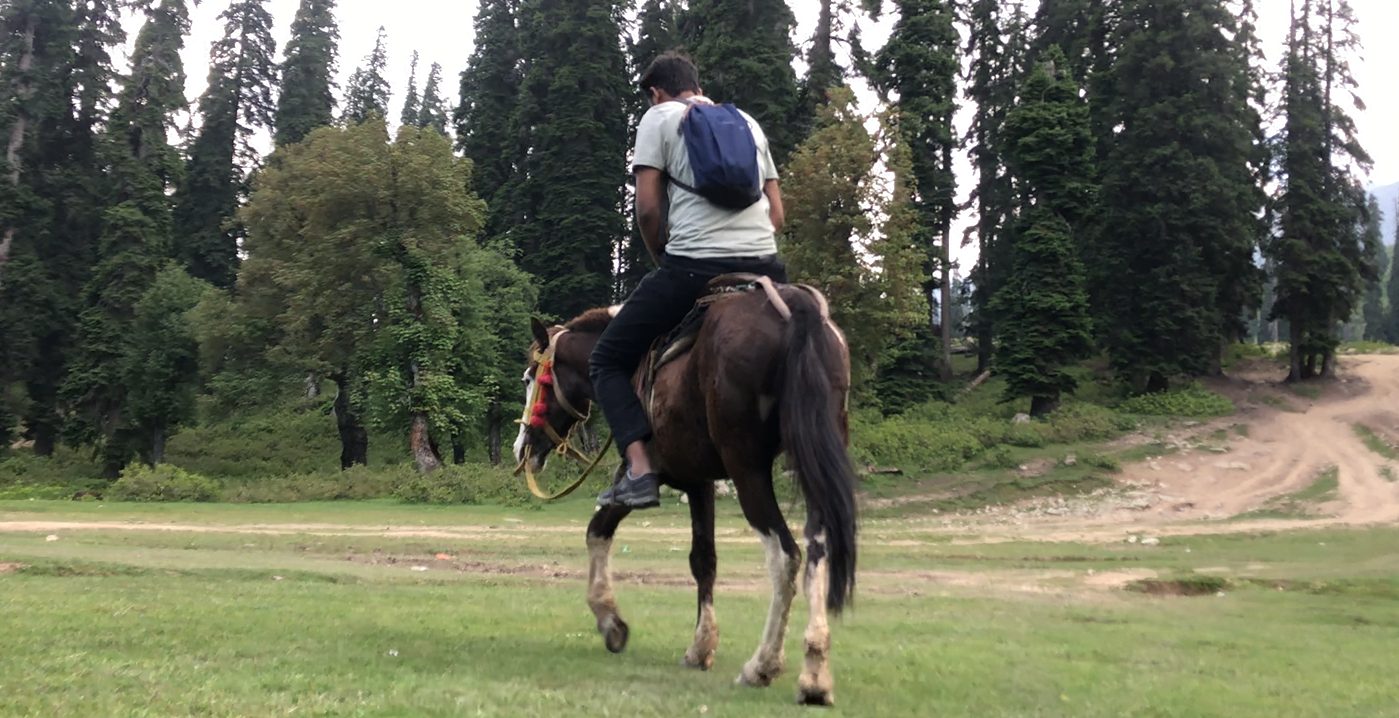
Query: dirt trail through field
{"points": [[1279, 443]]}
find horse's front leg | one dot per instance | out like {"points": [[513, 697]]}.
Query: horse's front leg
{"points": [[600, 599], [704, 566]]}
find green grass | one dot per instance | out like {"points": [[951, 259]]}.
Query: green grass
{"points": [[1302, 502], [117, 623], [1375, 442]]}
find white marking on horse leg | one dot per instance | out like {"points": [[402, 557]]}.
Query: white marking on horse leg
{"points": [[815, 686], [770, 659], [701, 654], [600, 598], [765, 406], [613, 310]]}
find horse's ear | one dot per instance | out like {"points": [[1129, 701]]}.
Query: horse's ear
{"points": [[541, 333]]}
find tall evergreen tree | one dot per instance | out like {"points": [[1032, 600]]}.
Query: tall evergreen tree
{"points": [[368, 91], [1177, 222], [997, 47], [432, 114], [412, 104], [823, 70], [55, 88], [1321, 255], [564, 207], [237, 104], [307, 97], [1043, 304], [744, 52], [489, 91], [1391, 316], [920, 64], [136, 237]]}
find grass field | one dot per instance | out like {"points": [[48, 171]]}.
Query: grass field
{"points": [[315, 610]]}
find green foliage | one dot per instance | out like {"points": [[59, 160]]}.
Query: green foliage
{"points": [[237, 104], [161, 360], [1042, 309], [357, 483], [1178, 222], [163, 483], [369, 91], [307, 97], [489, 92], [432, 113], [873, 282], [564, 199], [1192, 400], [466, 484]]}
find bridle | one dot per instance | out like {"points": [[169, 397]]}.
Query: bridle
{"points": [[544, 376]]}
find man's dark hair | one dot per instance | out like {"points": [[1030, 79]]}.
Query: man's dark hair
{"points": [[672, 73]]}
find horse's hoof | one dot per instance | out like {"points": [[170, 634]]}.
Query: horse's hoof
{"points": [[614, 634], [702, 664], [757, 678], [814, 696]]}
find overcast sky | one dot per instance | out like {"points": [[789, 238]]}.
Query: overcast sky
{"points": [[440, 30]]}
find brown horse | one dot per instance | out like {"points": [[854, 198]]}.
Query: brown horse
{"points": [[763, 377]]}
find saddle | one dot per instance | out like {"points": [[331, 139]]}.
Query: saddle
{"points": [[669, 347]]}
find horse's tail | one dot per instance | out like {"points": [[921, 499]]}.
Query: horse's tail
{"points": [[815, 442]]}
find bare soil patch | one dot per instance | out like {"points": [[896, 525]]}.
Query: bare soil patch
{"points": [[10, 567]]}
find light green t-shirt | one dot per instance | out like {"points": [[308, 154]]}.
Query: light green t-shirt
{"points": [[697, 227]]}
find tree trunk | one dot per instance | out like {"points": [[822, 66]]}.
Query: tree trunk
{"points": [[1043, 405], [421, 444], [354, 438], [158, 447], [17, 131], [493, 434], [458, 451], [1294, 352], [313, 385], [1157, 383], [945, 258]]}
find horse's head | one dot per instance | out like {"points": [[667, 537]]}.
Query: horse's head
{"points": [[558, 392]]}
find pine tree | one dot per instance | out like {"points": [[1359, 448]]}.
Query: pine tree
{"points": [[1043, 305], [136, 237], [833, 192], [744, 52], [237, 104], [369, 92], [823, 70], [1321, 256], [1391, 316], [433, 112], [412, 104], [997, 46], [490, 89], [307, 97], [564, 207], [919, 63], [1178, 220]]}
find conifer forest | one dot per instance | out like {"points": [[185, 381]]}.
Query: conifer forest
{"points": [[288, 255]]}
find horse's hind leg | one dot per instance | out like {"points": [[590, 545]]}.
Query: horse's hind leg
{"points": [[609, 622], [753, 479], [815, 685]]}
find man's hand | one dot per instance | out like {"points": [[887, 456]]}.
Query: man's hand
{"points": [[650, 197]]}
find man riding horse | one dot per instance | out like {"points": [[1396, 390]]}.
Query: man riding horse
{"points": [[705, 240]]}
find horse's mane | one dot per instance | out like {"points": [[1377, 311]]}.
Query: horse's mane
{"points": [[592, 321]]}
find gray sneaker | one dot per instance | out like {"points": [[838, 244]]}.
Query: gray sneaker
{"points": [[640, 492]]}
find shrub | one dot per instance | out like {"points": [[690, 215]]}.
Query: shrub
{"points": [[139, 482], [999, 458], [1192, 401], [354, 484], [1077, 422], [465, 484], [914, 444]]}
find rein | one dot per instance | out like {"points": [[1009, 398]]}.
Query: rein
{"points": [[544, 375]]}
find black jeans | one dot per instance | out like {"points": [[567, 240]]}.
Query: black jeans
{"points": [[657, 306]]}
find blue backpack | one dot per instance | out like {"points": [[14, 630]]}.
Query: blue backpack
{"points": [[723, 155]]}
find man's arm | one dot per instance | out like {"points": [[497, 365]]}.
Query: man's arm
{"points": [[650, 217], [776, 213]]}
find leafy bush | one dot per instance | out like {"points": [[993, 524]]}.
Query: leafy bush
{"points": [[1193, 401], [999, 458], [1076, 422], [1106, 463], [357, 483], [465, 484], [912, 443], [26, 476], [139, 482]]}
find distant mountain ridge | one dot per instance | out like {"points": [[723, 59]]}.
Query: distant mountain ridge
{"points": [[1387, 196]]}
